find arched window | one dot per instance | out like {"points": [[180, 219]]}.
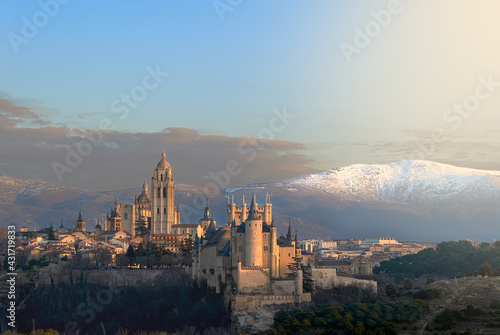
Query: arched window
{"points": [[158, 193], [158, 210], [164, 192], [126, 216], [164, 211], [161, 177]]}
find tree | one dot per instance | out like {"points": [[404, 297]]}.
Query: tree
{"points": [[130, 254], [408, 284], [141, 227], [307, 281], [52, 235], [485, 269], [391, 290], [293, 266], [187, 246]]}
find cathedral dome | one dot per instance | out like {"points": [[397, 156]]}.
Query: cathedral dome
{"points": [[163, 164], [143, 198]]}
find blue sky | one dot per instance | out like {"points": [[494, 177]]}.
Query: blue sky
{"points": [[226, 79]]}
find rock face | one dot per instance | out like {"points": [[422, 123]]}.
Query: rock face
{"points": [[115, 277]]}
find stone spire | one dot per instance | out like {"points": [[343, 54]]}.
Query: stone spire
{"points": [[253, 214], [297, 246], [206, 215], [289, 235], [145, 189], [80, 216]]}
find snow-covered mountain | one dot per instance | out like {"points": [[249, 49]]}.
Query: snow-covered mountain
{"points": [[407, 200], [405, 182]]}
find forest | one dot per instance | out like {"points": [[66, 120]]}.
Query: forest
{"points": [[449, 260]]}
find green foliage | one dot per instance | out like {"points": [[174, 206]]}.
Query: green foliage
{"points": [[449, 318], [428, 293], [450, 259], [148, 308], [408, 284], [495, 304], [352, 318], [485, 269], [391, 290]]}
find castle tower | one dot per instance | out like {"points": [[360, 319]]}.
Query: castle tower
{"points": [[268, 210], [231, 210], [244, 209], [299, 289], [80, 224], [298, 251], [253, 237], [275, 267], [162, 202]]}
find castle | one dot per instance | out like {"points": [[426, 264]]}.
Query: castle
{"points": [[245, 253], [247, 256]]}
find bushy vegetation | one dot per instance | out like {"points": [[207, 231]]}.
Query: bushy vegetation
{"points": [[450, 259], [449, 318], [352, 318], [67, 308]]}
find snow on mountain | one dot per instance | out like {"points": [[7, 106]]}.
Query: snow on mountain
{"points": [[402, 182]]}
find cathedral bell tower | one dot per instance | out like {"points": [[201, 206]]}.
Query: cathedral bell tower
{"points": [[162, 198]]}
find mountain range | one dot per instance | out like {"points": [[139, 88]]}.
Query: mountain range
{"points": [[412, 200]]}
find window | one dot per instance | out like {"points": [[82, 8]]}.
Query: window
{"points": [[265, 248], [164, 192], [158, 193], [126, 216], [161, 177], [164, 211], [158, 210]]}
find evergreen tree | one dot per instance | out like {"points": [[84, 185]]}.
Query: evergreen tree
{"points": [[141, 228], [130, 254], [52, 235]]}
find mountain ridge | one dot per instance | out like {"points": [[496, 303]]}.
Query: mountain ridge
{"points": [[407, 199]]}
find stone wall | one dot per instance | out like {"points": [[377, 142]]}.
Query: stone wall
{"points": [[326, 278], [284, 286], [252, 278]]}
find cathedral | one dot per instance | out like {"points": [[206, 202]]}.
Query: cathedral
{"points": [[155, 211], [245, 253]]}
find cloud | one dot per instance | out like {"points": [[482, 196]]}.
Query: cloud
{"points": [[123, 159]]}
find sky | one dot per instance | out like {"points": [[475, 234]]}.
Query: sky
{"points": [[240, 92]]}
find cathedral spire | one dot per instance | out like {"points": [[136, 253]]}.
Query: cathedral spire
{"points": [[145, 189], [206, 215]]}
